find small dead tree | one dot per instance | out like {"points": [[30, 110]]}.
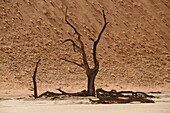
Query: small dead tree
{"points": [[34, 79], [90, 72]]}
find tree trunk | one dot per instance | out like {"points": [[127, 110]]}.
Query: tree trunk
{"points": [[34, 80], [35, 87], [91, 79]]}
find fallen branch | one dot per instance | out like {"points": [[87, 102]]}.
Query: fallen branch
{"points": [[112, 97], [82, 93], [49, 94]]}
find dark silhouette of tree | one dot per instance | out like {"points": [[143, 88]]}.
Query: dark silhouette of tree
{"points": [[90, 72], [104, 97], [34, 79]]}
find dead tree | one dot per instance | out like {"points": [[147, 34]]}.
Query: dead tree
{"points": [[90, 72], [34, 80], [49, 94]]}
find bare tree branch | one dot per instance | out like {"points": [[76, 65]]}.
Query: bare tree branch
{"points": [[98, 39], [104, 26], [74, 45], [80, 65], [76, 32], [80, 41]]}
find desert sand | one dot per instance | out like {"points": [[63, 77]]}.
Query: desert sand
{"points": [[76, 105], [134, 51]]}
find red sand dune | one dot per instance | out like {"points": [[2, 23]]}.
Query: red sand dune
{"points": [[134, 51]]}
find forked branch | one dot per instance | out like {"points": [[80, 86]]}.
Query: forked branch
{"points": [[81, 47], [98, 39]]}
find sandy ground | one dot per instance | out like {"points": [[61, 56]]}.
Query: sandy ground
{"points": [[82, 106], [134, 52], [45, 108]]}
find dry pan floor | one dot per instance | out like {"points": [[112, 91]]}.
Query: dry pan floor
{"points": [[81, 106]]}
